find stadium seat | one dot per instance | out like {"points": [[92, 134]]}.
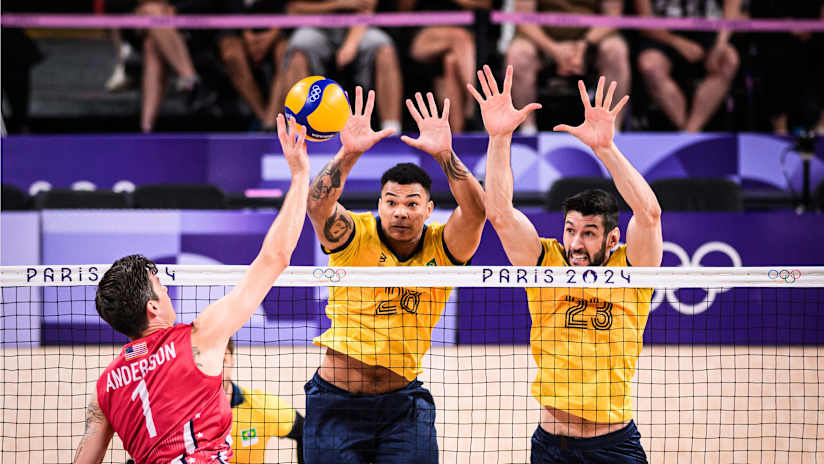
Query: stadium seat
{"points": [[563, 188], [14, 199], [698, 194], [80, 199], [179, 196]]}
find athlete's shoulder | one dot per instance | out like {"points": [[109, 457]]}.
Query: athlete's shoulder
{"points": [[552, 253], [618, 257]]}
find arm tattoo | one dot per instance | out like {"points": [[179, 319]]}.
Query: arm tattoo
{"points": [[337, 226], [327, 180], [196, 356], [94, 416], [453, 167]]}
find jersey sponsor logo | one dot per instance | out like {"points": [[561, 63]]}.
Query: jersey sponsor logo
{"points": [[136, 351], [248, 437], [400, 297], [382, 258]]}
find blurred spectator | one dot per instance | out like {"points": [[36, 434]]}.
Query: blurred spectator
{"points": [[367, 54], [163, 49], [693, 56], [19, 54], [243, 50], [791, 66], [572, 52], [120, 79], [454, 48]]}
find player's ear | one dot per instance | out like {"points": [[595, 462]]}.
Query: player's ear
{"points": [[430, 205], [613, 238], [152, 307]]}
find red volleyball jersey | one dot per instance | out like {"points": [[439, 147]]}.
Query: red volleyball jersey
{"points": [[162, 406]]}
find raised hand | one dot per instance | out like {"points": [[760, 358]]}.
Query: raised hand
{"points": [[357, 135], [293, 143], [435, 135], [500, 117], [598, 128]]}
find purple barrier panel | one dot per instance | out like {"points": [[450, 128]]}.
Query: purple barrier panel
{"points": [[169, 237], [717, 316], [239, 162], [103, 160]]}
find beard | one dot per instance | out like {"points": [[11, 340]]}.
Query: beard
{"points": [[597, 260]]}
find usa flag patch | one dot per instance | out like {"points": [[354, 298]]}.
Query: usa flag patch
{"points": [[136, 351]]}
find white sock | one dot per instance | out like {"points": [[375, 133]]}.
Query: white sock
{"points": [[395, 125], [528, 129]]}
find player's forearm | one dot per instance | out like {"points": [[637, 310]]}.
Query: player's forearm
{"points": [[282, 237], [631, 185], [537, 35], [327, 186], [499, 182], [732, 10], [465, 188]]}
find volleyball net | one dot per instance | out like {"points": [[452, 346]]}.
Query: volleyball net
{"points": [[731, 370]]}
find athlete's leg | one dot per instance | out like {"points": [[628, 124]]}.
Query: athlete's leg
{"points": [[524, 58], [656, 68], [406, 432]]}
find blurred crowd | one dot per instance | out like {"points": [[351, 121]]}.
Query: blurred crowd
{"points": [[679, 80]]}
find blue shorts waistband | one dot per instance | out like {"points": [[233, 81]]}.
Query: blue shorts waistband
{"points": [[331, 388], [601, 441]]}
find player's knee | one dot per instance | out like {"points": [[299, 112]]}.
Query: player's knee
{"points": [[522, 56], [614, 52], [652, 65], [385, 55], [730, 63], [231, 50]]}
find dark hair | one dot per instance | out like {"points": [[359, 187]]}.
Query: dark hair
{"points": [[123, 293], [594, 202], [231, 346], [408, 173]]}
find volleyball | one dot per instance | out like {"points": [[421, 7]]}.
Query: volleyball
{"points": [[320, 105]]}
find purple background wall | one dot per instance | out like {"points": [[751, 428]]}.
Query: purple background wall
{"points": [[239, 162]]}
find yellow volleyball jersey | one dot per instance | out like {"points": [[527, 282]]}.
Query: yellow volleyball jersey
{"points": [[256, 417], [586, 342], [388, 326]]}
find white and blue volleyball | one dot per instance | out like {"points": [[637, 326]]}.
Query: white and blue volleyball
{"points": [[320, 105]]}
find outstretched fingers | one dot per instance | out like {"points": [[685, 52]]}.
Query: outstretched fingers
{"points": [[413, 111], [370, 104], [484, 85], [478, 98], [281, 124], [599, 92], [433, 107], [508, 80], [421, 105], [584, 97], [610, 94], [620, 105], [358, 101], [529, 108], [490, 78], [445, 115]]}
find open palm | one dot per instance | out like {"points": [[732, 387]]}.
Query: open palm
{"points": [[357, 135], [598, 128], [435, 135], [499, 116]]}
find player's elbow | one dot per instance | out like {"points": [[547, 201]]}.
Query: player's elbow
{"points": [[273, 261], [650, 216]]}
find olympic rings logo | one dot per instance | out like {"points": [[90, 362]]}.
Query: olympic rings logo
{"points": [[314, 93], [670, 293], [328, 274], [785, 275]]}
